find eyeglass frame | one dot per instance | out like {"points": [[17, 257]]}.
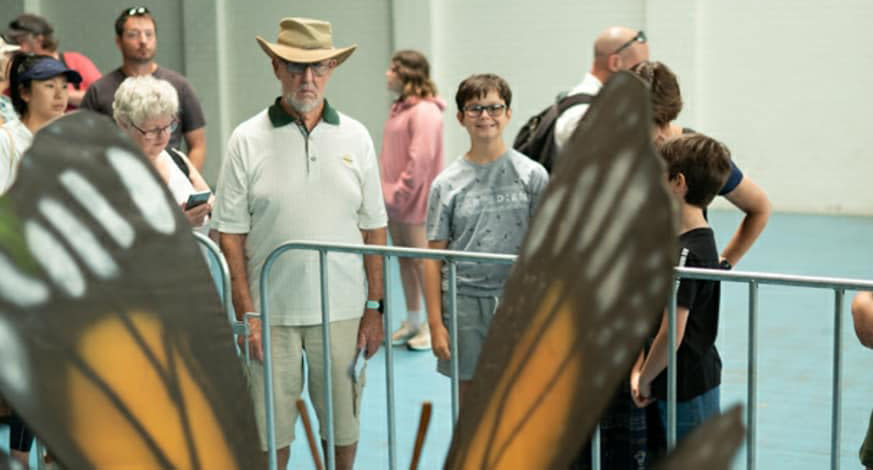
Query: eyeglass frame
{"points": [[300, 67], [154, 134], [640, 37], [478, 109]]}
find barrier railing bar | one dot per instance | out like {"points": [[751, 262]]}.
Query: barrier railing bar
{"points": [[775, 279], [389, 365], [838, 376], [751, 410], [328, 362], [453, 333]]}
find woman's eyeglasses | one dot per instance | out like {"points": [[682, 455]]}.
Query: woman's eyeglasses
{"points": [[154, 134]]}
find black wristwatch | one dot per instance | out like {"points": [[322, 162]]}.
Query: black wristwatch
{"points": [[377, 305], [726, 265]]}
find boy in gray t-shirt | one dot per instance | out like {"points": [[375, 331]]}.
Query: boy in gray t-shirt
{"points": [[482, 202]]}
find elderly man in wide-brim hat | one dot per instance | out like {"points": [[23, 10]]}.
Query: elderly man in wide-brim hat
{"points": [[302, 170]]}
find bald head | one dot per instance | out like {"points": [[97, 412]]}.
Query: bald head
{"points": [[630, 51]]}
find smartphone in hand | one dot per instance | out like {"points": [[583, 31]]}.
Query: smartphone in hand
{"points": [[196, 199]]}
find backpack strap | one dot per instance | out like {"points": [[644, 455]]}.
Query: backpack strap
{"points": [[573, 100], [179, 160]]}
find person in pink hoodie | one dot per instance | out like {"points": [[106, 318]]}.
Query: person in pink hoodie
{"points": [[412, 156]]}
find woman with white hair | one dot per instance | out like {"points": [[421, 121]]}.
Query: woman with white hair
{"points": [[145, 107]]}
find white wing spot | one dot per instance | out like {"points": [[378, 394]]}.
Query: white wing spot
{"points": [[92, 201], [146, 191], [54, 259], [80, 238], [19, 289], [14, 366]]}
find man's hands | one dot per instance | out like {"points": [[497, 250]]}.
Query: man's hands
{"points": [[371, 332], [439, 341], [256, 348]]}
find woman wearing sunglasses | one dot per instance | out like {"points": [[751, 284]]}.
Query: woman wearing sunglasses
{"points": [[38, 89], [145, 107]]}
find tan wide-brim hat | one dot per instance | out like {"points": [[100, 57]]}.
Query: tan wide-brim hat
{"points": [[305, 41]]}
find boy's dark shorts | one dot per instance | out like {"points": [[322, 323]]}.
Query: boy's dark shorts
{"points": [[474, 318]]}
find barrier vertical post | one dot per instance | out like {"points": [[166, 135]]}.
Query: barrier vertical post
{"points": [[838, 376], [595, 448], [330, 456], [453, 332], [751, 416], [266, 341], [389, 366]]}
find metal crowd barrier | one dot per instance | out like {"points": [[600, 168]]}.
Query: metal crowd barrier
{"points": [[240, 328], [754, 279]]}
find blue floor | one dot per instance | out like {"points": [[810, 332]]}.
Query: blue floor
{"points": [[795, 351]]}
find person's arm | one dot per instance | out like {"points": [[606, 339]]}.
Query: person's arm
{"points": [[656, 361], [196, 142], [233, 247], [371, 330], [862, 313], [439, 335], [751, 199]]}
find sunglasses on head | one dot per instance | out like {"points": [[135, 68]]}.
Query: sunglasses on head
{"points": [[136, 11], [640, 38]]}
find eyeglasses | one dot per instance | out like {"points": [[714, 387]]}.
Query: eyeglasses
{"points": [[154, 134], [640, 38], [136, 11], [494, 110], [318, 68]]}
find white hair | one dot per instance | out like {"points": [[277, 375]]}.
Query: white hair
{"points": [[145, 97]]}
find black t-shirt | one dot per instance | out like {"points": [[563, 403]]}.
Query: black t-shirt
{"points": [[699, 366]]}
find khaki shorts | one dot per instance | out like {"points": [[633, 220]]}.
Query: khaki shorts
{"points": [[288, 345]]}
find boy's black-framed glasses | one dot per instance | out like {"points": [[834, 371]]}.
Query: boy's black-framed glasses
{"points": [[640, 38], [494, 110]]}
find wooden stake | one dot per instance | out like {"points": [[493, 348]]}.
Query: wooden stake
{"points": [[310, 437], [423, 423]]}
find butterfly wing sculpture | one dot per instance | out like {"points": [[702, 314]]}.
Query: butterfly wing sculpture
{"points": [[116, 351], [590, 282]]}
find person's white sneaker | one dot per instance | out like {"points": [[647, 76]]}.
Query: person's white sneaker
{"points": [[421, 340], [403, 334]]}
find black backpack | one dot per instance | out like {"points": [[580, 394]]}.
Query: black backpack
{"points": [[536, 138]]}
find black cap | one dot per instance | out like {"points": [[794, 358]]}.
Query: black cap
{"points": [[48, 67], [28, 23]]}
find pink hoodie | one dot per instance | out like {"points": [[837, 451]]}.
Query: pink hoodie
{"points": [[412, 156]]}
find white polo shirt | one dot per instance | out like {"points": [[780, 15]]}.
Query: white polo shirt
{"points": [[15, 139], [566, 123], [279, 184]]}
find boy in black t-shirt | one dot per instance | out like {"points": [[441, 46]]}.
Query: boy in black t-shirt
{"points": [[697, 167]]}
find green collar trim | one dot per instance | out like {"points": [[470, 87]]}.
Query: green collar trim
{"points": [[279, 117]]}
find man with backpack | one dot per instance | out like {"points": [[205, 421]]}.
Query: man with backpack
{"points": [[543, 136]]}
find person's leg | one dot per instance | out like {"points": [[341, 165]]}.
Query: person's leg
{"points": [[866, 452], [347, 392], [416, 237], [20, 440], [287, 354], [692, 413], [411, 290]]}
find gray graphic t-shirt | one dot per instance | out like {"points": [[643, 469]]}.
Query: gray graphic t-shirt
{"points": [[484, 208]]}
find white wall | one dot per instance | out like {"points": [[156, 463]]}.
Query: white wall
{"points": [[782, 82]]}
